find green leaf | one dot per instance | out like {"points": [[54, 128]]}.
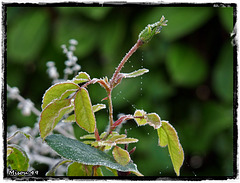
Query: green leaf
{"points": [[126, 141], [57, 91], [121, 156], [77, 151], [18, 159], [186, 66], [88, 136], [162, 137], [51, 115], [140, 121], [78, 169], [135, 73], [168, 136], [154, 120], [83, 111], [98, 107], [81, 78], [116, 137]]}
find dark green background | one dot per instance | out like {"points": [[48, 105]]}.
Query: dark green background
{"points": [[190, 83]]}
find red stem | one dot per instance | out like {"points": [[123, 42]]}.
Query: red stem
{"points": [[124, 60]]}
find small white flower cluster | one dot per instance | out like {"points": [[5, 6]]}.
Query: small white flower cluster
{"points": [[71, 63], [26, 105]]}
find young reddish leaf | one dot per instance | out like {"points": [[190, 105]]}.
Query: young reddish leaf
{"points": [[98, 107], [126, 141], [121, 156], [56, 91], [83, 111], [139, 117], [170, 138], [51, 115], [81, 78], [154, 120], [135, 73]]}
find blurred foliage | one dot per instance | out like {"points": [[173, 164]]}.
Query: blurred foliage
{"points": [[190, 82]]}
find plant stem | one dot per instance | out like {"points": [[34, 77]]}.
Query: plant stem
{"points": [[124, 60], [113, 81]]}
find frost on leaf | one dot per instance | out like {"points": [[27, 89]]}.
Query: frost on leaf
{"points": [[168, 136], [154, 120], [79, 152], [121, 156], [83, 111], [98, 107], [51, 115], [139, 117], [126, 141], [58, 91], [81, 78], [135, 73]]}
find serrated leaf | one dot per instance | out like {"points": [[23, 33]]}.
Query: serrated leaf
{"points": [[77, 151], [18, 159], [98, 107], [126, 141], [121, 156], [154, 120], [81, 78], [83, 111], [135, 73], [51, 115], [78, 169], [140, 121], [170, 138], [56, 91]]}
